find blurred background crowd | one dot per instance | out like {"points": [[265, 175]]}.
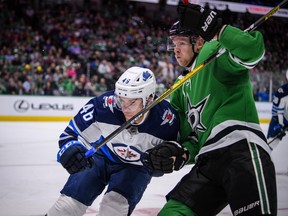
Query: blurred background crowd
{"points": [[80, 48]]}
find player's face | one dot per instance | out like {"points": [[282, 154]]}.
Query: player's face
{"points": [[182, 50], [129, 106]]}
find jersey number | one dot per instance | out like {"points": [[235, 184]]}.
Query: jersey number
{"points": [[88, 113]]}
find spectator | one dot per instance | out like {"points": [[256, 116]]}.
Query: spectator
{"points": [[12, 88], [48, 89], [79, 90], [3, 89], [91, 35], [104, 68], [102, 87]]}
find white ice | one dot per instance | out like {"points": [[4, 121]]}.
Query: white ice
{"points": [[30, 177]]}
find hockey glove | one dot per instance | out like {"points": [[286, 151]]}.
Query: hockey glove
{"points": [[72, 157], [165, 157], [280, 131], [195, 18]]}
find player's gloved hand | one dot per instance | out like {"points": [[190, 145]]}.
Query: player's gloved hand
{"points": [[279, 131], [195, 18], [72, 157], [165, 157]]}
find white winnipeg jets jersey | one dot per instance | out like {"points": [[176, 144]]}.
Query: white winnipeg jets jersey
{"points": [[280, 105], [100, 117]]}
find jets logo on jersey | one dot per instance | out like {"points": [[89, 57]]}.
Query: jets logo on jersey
{"points": [[109, 102], [168, 117], [194, 114], [126, 153]]}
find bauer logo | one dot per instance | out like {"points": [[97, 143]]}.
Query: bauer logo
{"points": [[208, 21], [246, 208], [24, 106]]}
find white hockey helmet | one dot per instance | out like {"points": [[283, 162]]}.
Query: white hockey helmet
{"points": [[287, 74], [136, 82]]}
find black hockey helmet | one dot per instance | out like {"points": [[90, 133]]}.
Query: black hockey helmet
{"points": [[177, 30]]}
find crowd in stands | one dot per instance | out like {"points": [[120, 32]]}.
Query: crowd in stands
{"points": [[67, 49]]}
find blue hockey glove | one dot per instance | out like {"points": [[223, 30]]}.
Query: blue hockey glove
{"points": [[72, 157], [195, 18], [279, 131], [165, 157]]}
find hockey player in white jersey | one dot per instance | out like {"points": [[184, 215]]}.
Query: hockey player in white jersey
{"points": [[117, 164], [279, 121]]}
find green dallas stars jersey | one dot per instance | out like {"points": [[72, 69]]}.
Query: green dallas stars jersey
{"points": [[216, 106]]}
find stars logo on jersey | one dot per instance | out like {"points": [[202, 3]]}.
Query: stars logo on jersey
{"points": [[194, 113], [109, 102], [126, 153], [168, 117]]}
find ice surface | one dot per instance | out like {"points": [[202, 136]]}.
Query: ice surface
{"points": [[31, 179]]}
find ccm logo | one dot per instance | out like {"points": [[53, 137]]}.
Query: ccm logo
{"points": [[208, 20]]}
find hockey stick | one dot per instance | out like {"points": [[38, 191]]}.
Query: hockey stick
{"points": [[176, 85]]}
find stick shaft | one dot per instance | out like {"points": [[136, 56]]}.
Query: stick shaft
{"points": [[178, 84], [266, 16]]}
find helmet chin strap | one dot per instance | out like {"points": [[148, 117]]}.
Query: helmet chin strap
{"points": [[192, 60], [145, 114], [194, 56]]}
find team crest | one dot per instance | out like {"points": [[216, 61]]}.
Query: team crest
{"points": [[194, 113], [109, 102], [168, 117], [126, 153]]}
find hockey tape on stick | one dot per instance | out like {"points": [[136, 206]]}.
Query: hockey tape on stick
{"points": [[176, 85]]}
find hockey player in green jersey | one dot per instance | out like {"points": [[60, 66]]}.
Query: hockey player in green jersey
{"points": [[220, 130]]}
